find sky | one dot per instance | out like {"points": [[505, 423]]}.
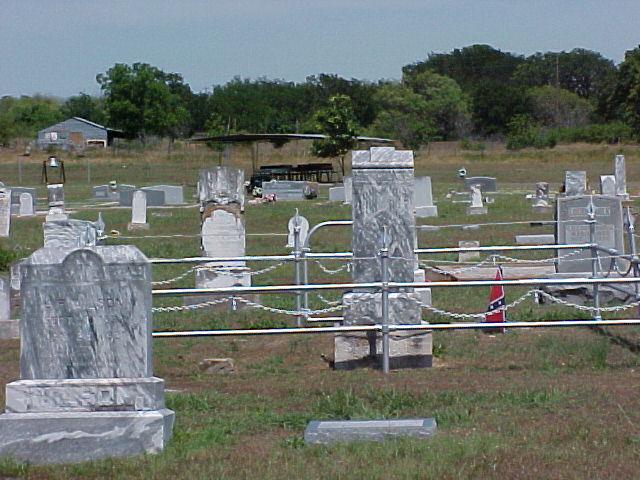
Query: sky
{"points": [[57, 47]]}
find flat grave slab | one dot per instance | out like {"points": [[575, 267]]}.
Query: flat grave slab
{"points": [[325, 432]]}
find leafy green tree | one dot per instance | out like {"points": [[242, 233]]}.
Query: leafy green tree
{"points": [[84, 106], [485, 75], [557, 107], [524, 131], [426, 107], [337, 121], [627, 93], [404, 116], [142, 100], [23, 117]]}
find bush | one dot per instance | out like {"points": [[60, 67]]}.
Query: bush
{"points": [[596, 133], [525, 132]]}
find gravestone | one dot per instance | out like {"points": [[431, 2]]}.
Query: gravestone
{"points": [[332, 431], [608, 185], [72, 233], [173, 194], [5, 211], [382, 198], [468, 256], [56, 213], [536, 239], [139, 211], [541, 200], [223, 235], [423, 198], [290, 190], [26, 205], [487, 184], [620, 173], [348, 189], [337, 194], [303, 224], [572, 228], [575, 183], [8, 328], [86, 388], [155, 198], [16, 192], [477, 207], [55, 195], [111, 191], [221, 186]]}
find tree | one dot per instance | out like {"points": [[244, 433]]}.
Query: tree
{"points": [[555, 107], [141, 100], [627, 92], [23, 117], [485, 75], [84, 106], [425, 107], [337, 122]]}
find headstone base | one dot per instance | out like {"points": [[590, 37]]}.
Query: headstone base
{"points": [[137, 226], [72, 437], [542, 208], [406, 350], [427, 211], [325, 432], [477, 210], [9, 329]]}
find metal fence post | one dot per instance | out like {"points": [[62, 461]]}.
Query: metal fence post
{"points": [[591, 215], [296, 260], [384, 261], [631, 232]]}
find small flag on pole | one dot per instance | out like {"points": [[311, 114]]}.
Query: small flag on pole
{"points": [[496, 312]]}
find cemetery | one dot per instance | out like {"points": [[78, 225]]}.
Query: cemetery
{"points": [[159, 319]]}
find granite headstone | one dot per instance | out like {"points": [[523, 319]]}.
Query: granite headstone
{"points": [[5, 211], [575, 182], [423, 198], [620, 173]]}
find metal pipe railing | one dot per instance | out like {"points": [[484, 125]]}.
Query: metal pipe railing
{"points": [[503, 248], [398, 328]]}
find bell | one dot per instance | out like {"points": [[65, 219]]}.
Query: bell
{"points": [[53, 162]]}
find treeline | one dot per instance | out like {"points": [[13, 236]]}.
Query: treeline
{"points": [[477, 91]]}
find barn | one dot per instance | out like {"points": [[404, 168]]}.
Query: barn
{"points": [[76, 134]]}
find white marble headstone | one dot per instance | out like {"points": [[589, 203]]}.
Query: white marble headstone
{"points": [[423, 198], [5, 212], [348, 190], [608, 185], [26, 205], [223, 235], [301, 222], [620, 173], [139, 207]]}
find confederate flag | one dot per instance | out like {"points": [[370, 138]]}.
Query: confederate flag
{"points": [[495, 312]]}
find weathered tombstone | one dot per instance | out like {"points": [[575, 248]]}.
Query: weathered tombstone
{"points": [[26, 205], [223, 235], [487, 184], [337, 194], [100, 192], [220, 186], [348, 189], [477, 207], [139, 211], [173, 194], [572, 213], [620, 173], [468, 256], [303, 225], [55, 195], [608, 185], [86, 388], [327, 432], [72, 233], [8, 328], [56, 213], [289, 190], [382, 198], [541, 200], [16, 192], [423, 198], [5, 211], [575, 183]]}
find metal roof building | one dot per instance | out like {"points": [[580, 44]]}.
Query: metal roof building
{"points": [[76, 134]]}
